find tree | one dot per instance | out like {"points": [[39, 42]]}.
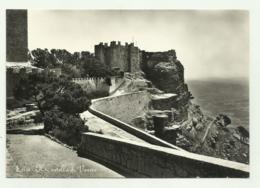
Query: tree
{"points": [[94, 68], [62, 56], [78, 64], [42, 58], [72, 99], [71, 70], [58, 98], [41, 87], [70, 126], [48, 90]]}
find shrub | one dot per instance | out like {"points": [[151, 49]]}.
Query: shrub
{"points": [[66, 127]]}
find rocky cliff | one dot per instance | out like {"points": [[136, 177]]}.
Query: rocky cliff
{"points": [[195, 132], [166, 72]]}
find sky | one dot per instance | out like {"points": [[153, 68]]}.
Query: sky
{"points": [[209, 43]]}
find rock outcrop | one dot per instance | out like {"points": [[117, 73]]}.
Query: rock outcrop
{"points": [[166, 72]]}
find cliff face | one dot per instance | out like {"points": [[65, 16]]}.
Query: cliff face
{"points": [[198, 133], [166, 72]]}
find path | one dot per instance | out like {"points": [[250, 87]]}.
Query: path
{"points": [[21, 115], [38, 156], [97, 124]]}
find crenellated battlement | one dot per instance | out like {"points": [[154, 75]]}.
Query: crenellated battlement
{"points": [[91, 80], [88, 78], [114, 44]]}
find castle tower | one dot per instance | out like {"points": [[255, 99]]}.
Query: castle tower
{"points": [[100, 52], [134, 58], [16, 52], [125, 58], [16, 36]]}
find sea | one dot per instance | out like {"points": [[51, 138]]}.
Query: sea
{"points": [[223, 96]]}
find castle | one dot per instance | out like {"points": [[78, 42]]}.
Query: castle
{"points": [[125, 58]]}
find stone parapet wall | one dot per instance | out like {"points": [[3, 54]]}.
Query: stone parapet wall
{"points": [[132, 130], [123, 107], [145, 160], [120, 110]]}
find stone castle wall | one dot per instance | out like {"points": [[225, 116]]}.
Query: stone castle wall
{"points": [[123, 107], [99, 86], [95, 87], [126, 57], [147, 160]]}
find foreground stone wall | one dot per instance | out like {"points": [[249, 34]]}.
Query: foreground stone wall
{"points": [[123, 107], [145, 160]]}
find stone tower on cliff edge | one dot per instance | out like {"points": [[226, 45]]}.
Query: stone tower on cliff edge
{"points": [[126, 57]]}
